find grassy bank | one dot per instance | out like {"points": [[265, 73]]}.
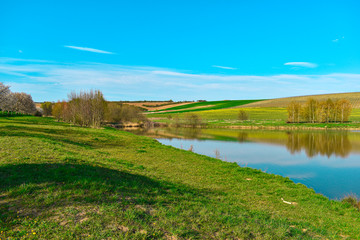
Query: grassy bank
{"points": [[63, 182]]}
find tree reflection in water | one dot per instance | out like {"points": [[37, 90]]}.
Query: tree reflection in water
{"points": [[323, 143]]}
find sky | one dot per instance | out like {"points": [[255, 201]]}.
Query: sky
{"points": [[180, 50]]}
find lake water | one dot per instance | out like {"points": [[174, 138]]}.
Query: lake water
{"points": [[327, 161]]}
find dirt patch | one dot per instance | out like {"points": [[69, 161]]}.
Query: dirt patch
{"points": [[154, 106]]}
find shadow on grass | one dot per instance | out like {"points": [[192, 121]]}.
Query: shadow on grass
{"points": [[35, 189]]}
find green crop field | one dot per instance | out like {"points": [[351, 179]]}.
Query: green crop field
{"points": [[64, 182], [211, 105]]}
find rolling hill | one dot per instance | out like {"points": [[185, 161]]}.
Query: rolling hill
{"points": [[353, 97]]}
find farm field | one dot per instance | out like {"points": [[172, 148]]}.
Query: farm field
{"points": [[156, 106], [208, 105], [59, 181], [353, 97]]}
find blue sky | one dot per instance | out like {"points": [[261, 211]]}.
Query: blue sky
{"points": [[180, 50]]}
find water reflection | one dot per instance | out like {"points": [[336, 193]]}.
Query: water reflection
{"points": [[327, 161], [242, 137], [314, 143], [323, 143]]}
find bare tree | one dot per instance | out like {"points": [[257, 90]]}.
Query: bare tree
{"points": [[309, 110], [87, 108], [294, 110], [343, 110]]}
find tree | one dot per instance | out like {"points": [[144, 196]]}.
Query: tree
{"points": [[309, 110], [243, 115], [7, 99], [329, 111], [294, 110], [47, 108], [193, 120], [343, 110], [124, 113], [87, 108], [24, 103]]}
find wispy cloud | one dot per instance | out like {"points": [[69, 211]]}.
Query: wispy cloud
{"points": [[301, 64], [223, 67], [52, 81], [89, 49], [337, 39]]}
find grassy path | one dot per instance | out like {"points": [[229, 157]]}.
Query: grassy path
{"points": [[62, 182]]}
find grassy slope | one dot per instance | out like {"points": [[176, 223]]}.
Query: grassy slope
{"points": [[61, 182], [211, 105], [353, 97]]}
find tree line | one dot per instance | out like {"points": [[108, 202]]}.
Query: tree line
{"points": [[14, 102], [314, 111], [90, 109]]}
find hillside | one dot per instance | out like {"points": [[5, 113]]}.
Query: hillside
{"points": [[65, 182], [353, 97]]}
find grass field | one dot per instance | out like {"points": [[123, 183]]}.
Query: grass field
{"points": [[264, 116], [353, 97], [211, 105], [64, 182]]}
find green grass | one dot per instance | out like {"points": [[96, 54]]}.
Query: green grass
{"points": [[266, 116], [211, 105], [64, 182]]}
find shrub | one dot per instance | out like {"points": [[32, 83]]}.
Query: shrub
{"points": [[118, 113], [192, 120], [47, 108], [243, 115]]}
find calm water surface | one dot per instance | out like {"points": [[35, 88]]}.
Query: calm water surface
{"points": [[327, 161]]}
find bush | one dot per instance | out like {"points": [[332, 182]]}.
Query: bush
{"points": [[192, 120], [119, 113], [243, 115], [47, 108]]}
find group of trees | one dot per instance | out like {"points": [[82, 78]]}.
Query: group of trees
{"points": [[314, 111], [91, 109], [13, 102]]}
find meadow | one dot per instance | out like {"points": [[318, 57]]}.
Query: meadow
{"points": [[258, 116], [59, 181]]}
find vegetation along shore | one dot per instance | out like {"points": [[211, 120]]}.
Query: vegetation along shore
{"points": [[61, 181]]}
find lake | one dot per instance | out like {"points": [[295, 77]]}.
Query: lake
{"points": [[326, 160]]}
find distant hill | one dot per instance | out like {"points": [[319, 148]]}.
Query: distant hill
{"points": [[353, 97]]}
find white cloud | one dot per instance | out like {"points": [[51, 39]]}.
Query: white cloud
{"points": [[52, 81], [337, 39], [223, 67], [301, 64], [89, 49]]}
